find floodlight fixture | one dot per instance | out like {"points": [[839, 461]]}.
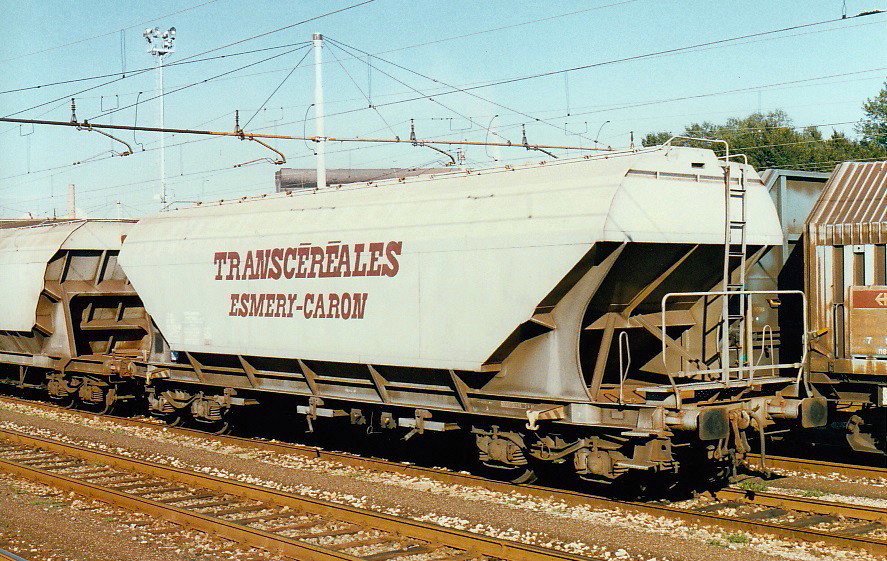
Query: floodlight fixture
{"points": [[161, 48]]}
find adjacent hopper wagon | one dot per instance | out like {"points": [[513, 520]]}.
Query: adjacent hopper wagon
{"points": [[69, 319]]}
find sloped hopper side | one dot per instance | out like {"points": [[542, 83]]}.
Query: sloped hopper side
{"points": [[74, 298]]}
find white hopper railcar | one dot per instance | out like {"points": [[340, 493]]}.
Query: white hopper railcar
{"points": [[561, 311]]}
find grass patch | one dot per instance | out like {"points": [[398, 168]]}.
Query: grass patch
{"points": [[48, 502], [753, 484], [813, 493], [716, 542], [738, 537]]}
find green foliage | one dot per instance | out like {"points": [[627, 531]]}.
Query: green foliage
{"points": [[771, 141], [738, 537], [813, 493], [753, 484], [873, 127]]}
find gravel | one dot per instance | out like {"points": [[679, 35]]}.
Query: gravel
{"points": [[40, 522], [601, 533]]}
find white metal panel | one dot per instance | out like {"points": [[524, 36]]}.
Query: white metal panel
{"points": [[24, 254], [480, 251], [98, 235], [849, 279], [869, 264]]}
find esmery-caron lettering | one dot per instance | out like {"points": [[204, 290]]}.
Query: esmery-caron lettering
{"points": [[306, 261]]}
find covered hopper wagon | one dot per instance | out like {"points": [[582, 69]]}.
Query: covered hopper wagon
{"points": [[593, 312]]}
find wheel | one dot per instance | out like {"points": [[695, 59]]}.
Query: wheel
{"points": [[66, 402], [176, 419], [214, 427], [523, 476]]}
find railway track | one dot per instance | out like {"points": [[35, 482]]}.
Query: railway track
{"points": [[9, 556], [818, 466], [300, 527], [799, 518]]}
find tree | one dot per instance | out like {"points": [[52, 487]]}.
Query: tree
{"points": [[772, 141], [873, 127]]}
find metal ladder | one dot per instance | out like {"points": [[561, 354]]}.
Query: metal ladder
{"points": [[735, 308]]}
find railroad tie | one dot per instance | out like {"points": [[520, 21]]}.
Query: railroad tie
{"points": [[140, 485], [241, 508], [813, 520], [765, 514], [385, 555], [862, 529], [350, 529], [173, 500], [295, 525], [262, 518], [718, 506], [163, 488]]}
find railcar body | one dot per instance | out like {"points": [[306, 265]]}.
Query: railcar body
{"points": [[846, 278], [69, 319], [561, 311]]}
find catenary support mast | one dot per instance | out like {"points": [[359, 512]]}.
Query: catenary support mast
{"points": [[320, 149]]}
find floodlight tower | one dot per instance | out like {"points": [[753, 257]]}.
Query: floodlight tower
{"points": [[160, 44]]}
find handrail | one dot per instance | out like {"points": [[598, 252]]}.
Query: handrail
{"points": [[623, 372], [751, 368], [709, 140]]}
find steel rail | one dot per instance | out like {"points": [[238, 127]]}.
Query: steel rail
{"points": [[569, 497], [230, 530], [10, 556], [477, 544], [806, 504], [820, 467]]}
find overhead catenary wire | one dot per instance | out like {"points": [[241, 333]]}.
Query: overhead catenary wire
{"points": [[250, 38], [445, 39], [476, 96], [659, 101], [85, 39], [197, 83], [277, 88], [675, 50], [365, 95], [149, 68], [230, 168], [401, 82]]}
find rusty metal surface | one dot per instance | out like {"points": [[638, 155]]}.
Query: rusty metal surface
{"points": [[8, 555], [806, 504], [467, 541], [306, 178], [867, 329], [26, 252], [853, 206], [574, 498], [816, 466]]}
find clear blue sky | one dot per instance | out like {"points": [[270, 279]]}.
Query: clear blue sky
{"points": [[457, 42]]}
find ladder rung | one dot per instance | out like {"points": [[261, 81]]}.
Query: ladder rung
{"points": [[737, 254], [737, 223], [735, 317]]}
